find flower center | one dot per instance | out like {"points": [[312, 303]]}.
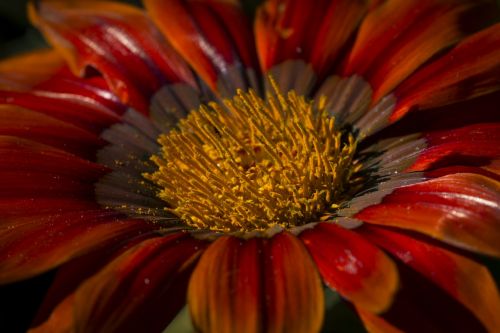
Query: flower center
{"points": [[251, 164]]}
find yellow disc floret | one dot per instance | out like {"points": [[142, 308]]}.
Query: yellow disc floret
{"points": [[251, 164]]}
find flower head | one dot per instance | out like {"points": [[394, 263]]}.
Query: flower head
{"points": [[177, 155]]}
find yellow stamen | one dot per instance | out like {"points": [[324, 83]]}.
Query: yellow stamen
{"points": [[251, 164]]}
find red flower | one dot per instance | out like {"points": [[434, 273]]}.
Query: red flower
{"points": [[254, 202]]}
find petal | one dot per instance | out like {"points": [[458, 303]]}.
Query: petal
{"points": [[281, 33], [375, 324], [256, 285], [471, 144], [214, 36], [35, 126], [459, 209], [116, 39], [32, 245], [352, 266], [399, 36], [141, 290], [70, 276], [338, 23], [61, 320], [485, 110], [474, 145], [27, 70], [421, 306], [471, 69], [19, 154], [86, 103], [465, 280]]}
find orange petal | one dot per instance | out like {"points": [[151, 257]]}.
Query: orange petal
{"points": [[471, 69], [376, 324], [256, 285], [61, 320], [27, 70], [459, 209], [353, 267], [212, 35]]}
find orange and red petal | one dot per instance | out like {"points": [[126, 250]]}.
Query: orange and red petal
{"points": [[471, 69], [214, 36], [281, 33], [352, 266], [29, 247], [399, 36], [71, 274], [118, 40], [464, 279], [473, 144], [141, 290], [459, 209], [256, 285]]}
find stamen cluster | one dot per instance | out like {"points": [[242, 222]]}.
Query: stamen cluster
{"points": [[251, 164]]}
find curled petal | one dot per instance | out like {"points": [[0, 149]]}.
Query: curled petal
{"points": [[118, 40]]}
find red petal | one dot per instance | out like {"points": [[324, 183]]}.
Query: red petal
{"points": [[140, 291], [256, 285], [465, 280], [86, 103], [352, 266], [212, 35], [31, 245], [19, 155], [116, 39], [470, 69], [472, 143], [19, 207], [35, 126], [460, 209]]}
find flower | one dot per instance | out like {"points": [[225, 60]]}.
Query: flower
{"points": [[176, 155]]}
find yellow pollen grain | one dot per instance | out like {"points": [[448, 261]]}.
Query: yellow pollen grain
{"points": [[253, 163]]}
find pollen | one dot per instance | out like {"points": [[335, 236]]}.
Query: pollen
{"points": [[251, 163]]}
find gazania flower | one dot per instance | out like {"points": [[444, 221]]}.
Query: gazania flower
{"points": [[182, 154]]}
